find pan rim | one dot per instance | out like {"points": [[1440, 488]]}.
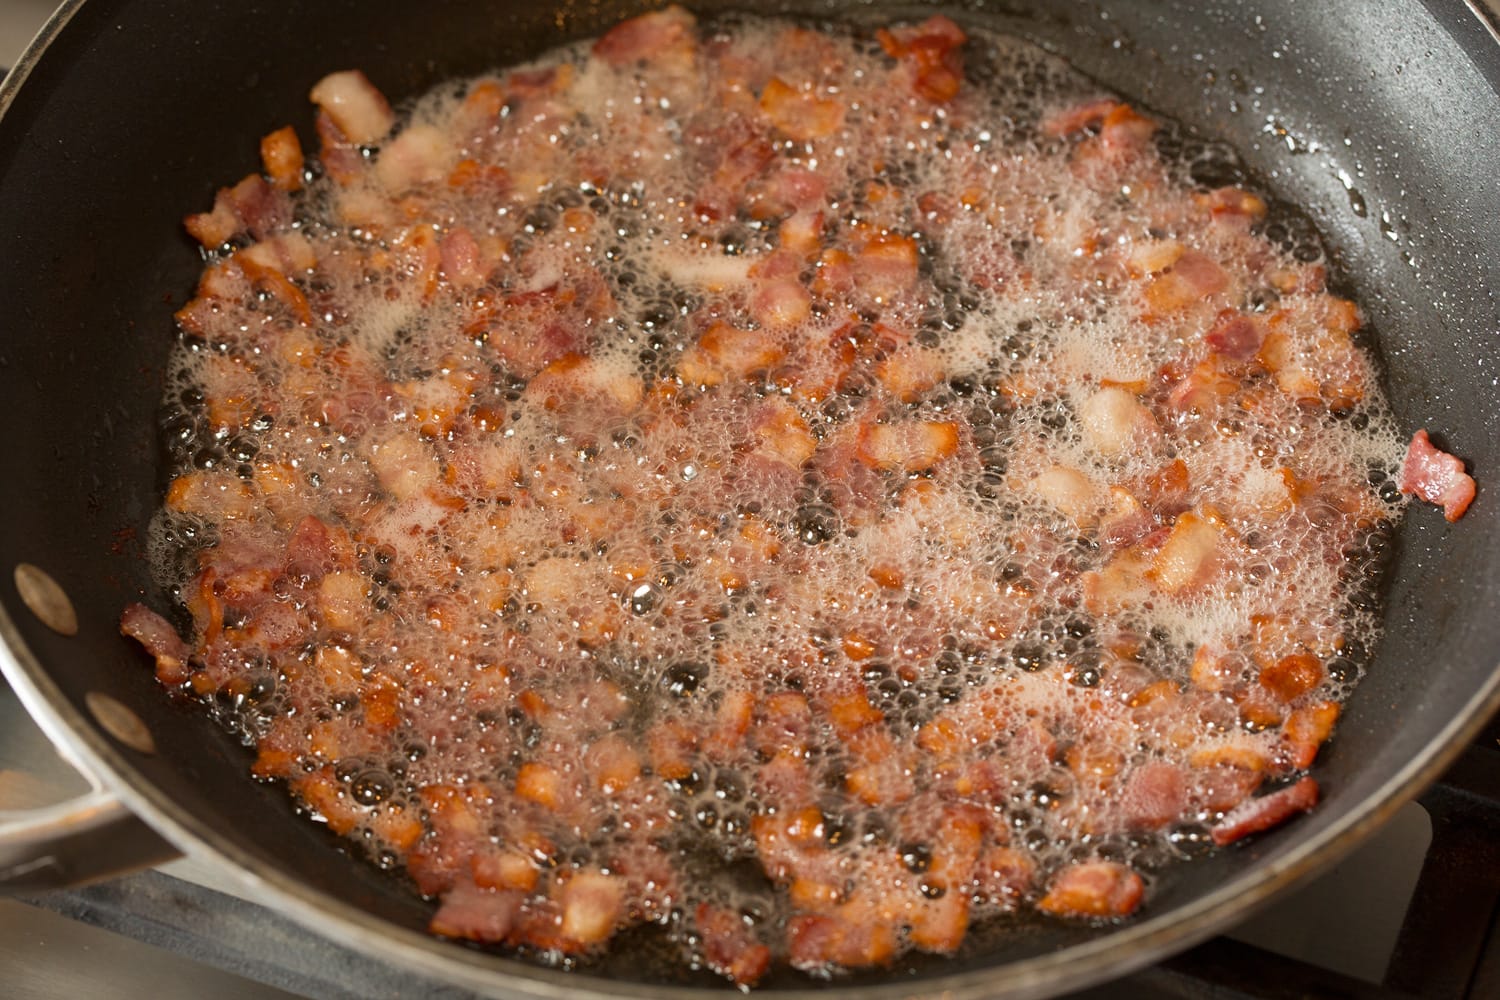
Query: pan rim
{"points": [[1123, 950]]}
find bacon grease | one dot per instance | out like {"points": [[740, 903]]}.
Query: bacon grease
{"points": [[727, 479]]}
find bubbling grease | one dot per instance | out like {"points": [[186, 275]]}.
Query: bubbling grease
{"points": [[568, 531]]}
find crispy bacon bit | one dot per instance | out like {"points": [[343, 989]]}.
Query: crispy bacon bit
{"points": [[281, 157], [931, 50], [1292, 676], [648, 36], [1097, 890], [800, 114], [592, 903], [729, 947], [1257, 815], [1437, 477]]}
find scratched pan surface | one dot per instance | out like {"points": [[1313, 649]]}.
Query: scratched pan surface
{"points": [[136, 111]]}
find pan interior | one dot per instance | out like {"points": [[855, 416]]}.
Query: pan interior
{"points": [[1376, 119]]}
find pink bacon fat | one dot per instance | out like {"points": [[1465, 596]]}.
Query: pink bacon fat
{"points": [[1437, 477]]}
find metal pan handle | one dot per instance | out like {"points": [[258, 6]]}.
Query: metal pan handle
{"points": [[82, 840]]}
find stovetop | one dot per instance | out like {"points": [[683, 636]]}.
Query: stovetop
{"points": [[1415, 912]]}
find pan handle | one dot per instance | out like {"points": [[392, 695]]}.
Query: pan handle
{"points": [[83, 840]]}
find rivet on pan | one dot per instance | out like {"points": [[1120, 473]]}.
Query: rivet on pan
{"points": [[46, 599], [120, 722]]}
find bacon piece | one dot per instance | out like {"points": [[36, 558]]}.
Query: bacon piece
{"points": [[1195, 278], [1154, 795], [910, 446], [1114, 422], [160, 639], [419, 155], [729, 948], [252, 206], [476, 914], [1306, 729], [780, 303], [1292, 676], [1189, 555], [733, 154], [571, 377], [460, 259], [592, 903], [847, 938], [1122, 129], [1235, 335], [1094, 889], [649, 36], [1070, 492], [1256, 815], [931, 52], [1234, 205], [1436, 476], [800, 114], [354, 105], [725, 350], [886, 267], [1152, 257], [281, 158]]}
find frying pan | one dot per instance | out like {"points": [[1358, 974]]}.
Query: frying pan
{"points": [[1380, 119]]}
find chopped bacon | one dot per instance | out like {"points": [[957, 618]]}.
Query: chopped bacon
{"points": [[910, 446], [1256, 815], [592, 903], [724, 350], [1436, 476], [1235, 335], [729, 947], [1094, 889], [1189, 555], [252, 206], [932, 52], [1153, 796], [281, 157], [815, 941], [1122, 129], [647, 36], [418, 156], [1232, 204], [160, 639], [1194, 278], [355, 106], [800, 114], [460, 258], [476, 914], [1292, 676], [1115, 422]]}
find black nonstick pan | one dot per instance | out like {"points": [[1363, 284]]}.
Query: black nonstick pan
{"points": [[1379, 119]]}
